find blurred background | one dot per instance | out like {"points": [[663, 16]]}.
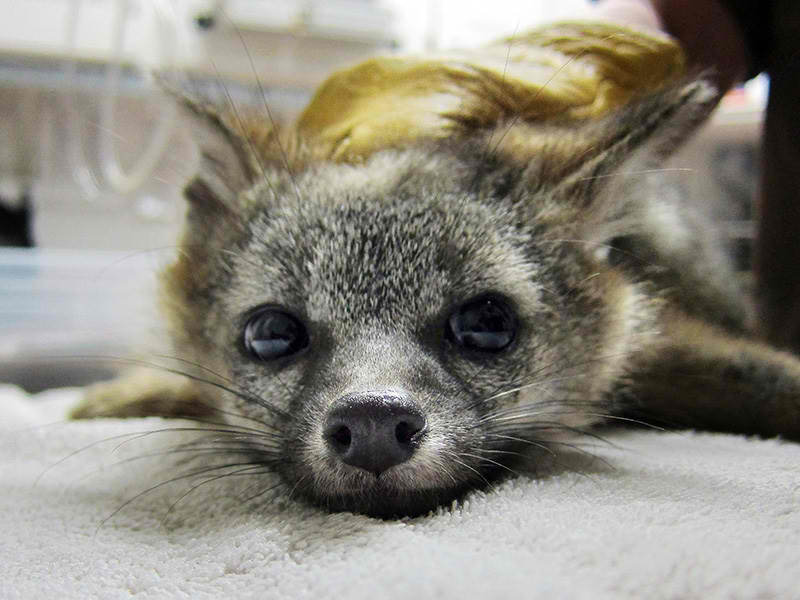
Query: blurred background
{"points": [[92, 161]]}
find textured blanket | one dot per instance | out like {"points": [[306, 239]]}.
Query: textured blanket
{"points": [[652, 515]]}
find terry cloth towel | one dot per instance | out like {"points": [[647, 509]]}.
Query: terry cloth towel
{"points": [[656, 515]]}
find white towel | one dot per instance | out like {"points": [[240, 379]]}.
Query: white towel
{"points": [[674, 515]]}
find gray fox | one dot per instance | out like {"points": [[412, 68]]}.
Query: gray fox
{"points": [[395, 328]]}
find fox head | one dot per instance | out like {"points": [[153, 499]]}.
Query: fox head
{"points": [[403, 328]]}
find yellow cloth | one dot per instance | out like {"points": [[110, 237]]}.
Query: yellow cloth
{"points": [[570, 69]]}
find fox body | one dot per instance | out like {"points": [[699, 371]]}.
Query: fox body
{"points": [[401, 328]]}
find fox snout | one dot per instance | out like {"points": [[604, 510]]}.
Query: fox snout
{"points": [[374, 430]]}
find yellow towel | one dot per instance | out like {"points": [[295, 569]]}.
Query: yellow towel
{"points": [[569, 69]]}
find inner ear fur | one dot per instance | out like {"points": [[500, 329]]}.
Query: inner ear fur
{"points": [[578, 156], [646, 131], [227, 166], [238, 148], [573, 172]]}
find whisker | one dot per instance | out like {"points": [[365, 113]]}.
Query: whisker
{"points": [[133, 435], [599, 244], [173, 429], [284, 155], [168, 481], [504, 452], [455, 458], [242, 451], [583, 452], [641, 172], [195, 364], [512, 438], [242, 257], [445, 469], [138, 253], [559, 404], [255, 154], [262, 492], [543, 370], [569, 368], [248, 438], [490, 461], [535, 97], [546, 446], [626, 419], [541, 382], [294, 487], [138, 362], [554, 426], [246, 471]]}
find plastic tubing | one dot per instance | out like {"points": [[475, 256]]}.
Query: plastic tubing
{"points": [[117, 178], [76, 159]]}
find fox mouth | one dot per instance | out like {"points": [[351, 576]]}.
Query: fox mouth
{"points": [[397, 493], [384, 501]]}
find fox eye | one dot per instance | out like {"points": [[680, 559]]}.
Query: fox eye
{"points": [[485, 325], [271, 333]]}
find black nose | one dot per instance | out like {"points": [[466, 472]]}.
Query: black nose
{"points": [[374, 431]]}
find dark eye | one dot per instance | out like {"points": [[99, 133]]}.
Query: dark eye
{"points": [[485, 325], [272, 333]]}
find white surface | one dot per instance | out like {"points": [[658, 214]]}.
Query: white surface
{"points": [[680, 516]]}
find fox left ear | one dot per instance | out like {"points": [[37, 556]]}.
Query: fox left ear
{"points": [[642, 134], [594, 173], [577, 161]]}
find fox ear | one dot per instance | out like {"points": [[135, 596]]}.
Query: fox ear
{"points": [[577, 160], [594, 173], [640, 135], [228, 160]]}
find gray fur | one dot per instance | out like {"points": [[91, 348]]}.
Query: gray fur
{"points": [[373, 258]]}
